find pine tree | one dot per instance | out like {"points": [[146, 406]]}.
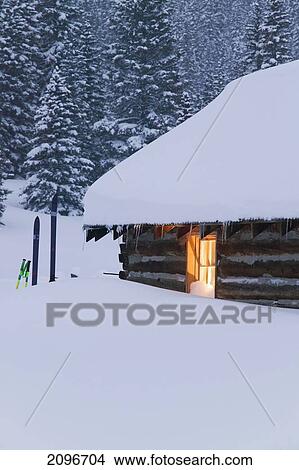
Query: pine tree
{"points": [[294, 16], [276, 38], [53, 29], [62, 145], [148, 94], [236, 38], [211, 35], [70, 33], [253, 59], [3, 191], [214, 56], [86, 80], [187, 28], [55, 162], [19, 56]]}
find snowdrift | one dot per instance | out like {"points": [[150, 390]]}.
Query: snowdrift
{"points": [[236, 159], [152, 387]]}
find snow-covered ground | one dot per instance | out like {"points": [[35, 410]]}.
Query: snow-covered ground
{"points": [[73, 254], [134, 387]]}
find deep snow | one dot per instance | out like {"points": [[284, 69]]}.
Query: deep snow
{"points": [[235, 159], [143, 387], [135, 387], [73, 254]]}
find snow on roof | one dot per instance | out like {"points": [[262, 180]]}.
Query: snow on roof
{"points": [[236, 159]]}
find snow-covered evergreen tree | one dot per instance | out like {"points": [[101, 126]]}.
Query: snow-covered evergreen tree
{"points": [[187, 24], [3, 191], [237, 20], [70, 33], [20, 74], [212, 37], [294, 17], [55, 162], [215, 52], [276, 38], [54, 28], [86, 78], [253, 58], [148, 95]]}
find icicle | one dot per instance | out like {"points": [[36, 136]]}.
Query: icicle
{"points": [[136, 229], [109, 229], [138, 232], [224, 232], [84, 239], [120, 230]]}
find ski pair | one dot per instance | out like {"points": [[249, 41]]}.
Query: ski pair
{"points": [[25, 266], [24, 273]]}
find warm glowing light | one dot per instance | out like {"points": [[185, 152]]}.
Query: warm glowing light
{"points": [[201, 262], [207, 267]]}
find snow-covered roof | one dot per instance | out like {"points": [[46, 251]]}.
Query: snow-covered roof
{"points": [[236, 159]]}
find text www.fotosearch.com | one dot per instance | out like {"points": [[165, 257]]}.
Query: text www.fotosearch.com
{"points": [[195, 461]]}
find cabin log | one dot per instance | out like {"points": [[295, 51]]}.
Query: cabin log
{"points": [[264, 269], [256, 262]]}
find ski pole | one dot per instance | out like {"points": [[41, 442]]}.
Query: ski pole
{"points": [[27, 273], [21, 273]]}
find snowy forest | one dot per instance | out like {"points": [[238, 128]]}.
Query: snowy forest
{"points": [[86, 83]]}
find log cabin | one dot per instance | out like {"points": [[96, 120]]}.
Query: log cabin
{"points": [[212, 207]]}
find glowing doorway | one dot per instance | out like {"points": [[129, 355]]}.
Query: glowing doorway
{"points": [[201, 266]]}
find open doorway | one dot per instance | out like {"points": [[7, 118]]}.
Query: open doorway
{"points": [[201, 265]]}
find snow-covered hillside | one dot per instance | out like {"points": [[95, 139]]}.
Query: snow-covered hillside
{"points": [[143, 387], [134, 387]]}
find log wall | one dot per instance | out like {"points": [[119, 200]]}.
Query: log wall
{"points": [[262, 268], [257, 263], [159, 262]]}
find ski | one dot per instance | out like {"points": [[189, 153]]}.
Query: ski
{"points": [[35, 254], [54, 209]]}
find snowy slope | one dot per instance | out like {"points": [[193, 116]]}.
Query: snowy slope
{"points": [[143, 387], [236, 159]]}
